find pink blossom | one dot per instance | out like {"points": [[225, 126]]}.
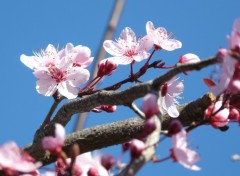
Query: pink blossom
{"points": [[86, 162], [54, 144], [182, 154], [13, 159], [161, 39], [150, 106], [58, 71], [169, 94], [189, 58], [78, 55], [219, 119], [127, 49]]}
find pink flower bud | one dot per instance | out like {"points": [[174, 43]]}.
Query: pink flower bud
{"points": [[107, 161], [109, 108], [174, 127], [149, 126], [136, 148], [93, 172], [189, 58], [106, 67], [234, 114], [150, 106]]}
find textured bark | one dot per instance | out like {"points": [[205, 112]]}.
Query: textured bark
{"points": [[121, 131]]}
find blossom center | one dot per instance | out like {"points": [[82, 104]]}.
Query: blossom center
{"points": [[130, 53], [56, 74]]}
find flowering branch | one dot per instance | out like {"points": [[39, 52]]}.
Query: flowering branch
{"points": [[119, 132]]}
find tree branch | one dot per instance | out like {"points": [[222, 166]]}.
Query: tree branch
{"points": [[119, 132]]}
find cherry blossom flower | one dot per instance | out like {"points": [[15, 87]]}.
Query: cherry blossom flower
{"points": [[78, 55], [182, 154], [220, 119], [58, 71], [54, 144], [169, 94], [189, 58], [161, 39], [13, 159], [127, 49], [87, 163]]}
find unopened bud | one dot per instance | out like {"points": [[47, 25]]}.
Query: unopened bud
{"points": [[106, 67], [234, 114], [149, 126], [107, 161], [136, 148], [174, 127], [109, 108], [93, 172], [189, 58], [150, 106]]}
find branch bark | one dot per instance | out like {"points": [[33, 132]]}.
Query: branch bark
{"points": [[119, 132]]}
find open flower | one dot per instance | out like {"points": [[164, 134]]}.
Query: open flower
{"points": [[182, 154], [169, 94], [161, 39], [13, 159], [54, 144], [127, 49], [59, 70]]}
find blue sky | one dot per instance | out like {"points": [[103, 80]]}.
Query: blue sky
{"points": [[27, 26]]}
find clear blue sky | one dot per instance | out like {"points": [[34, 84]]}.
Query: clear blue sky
{"points": [[31, 25]]}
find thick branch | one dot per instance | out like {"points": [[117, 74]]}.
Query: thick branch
{"points": [[122, 131]]}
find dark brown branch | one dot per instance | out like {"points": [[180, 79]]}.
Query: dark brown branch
{"points": [[122, 131]]}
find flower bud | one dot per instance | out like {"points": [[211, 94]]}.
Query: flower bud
{"points": [[189, 58], [149, 126], [106, 67], [174, 127], [109, 108], [234, 114], [150, 106], [93, 172], [107, 161], [136, 148]]}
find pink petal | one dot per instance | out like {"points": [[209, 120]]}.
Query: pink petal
{"points": [[175, 87], [121, 60], [77, 76], [149, 27], [172, 111], [67, 90], [113, 48], [171, 44], [31, 62], [128, 35], [145, 43], [46, 87]]}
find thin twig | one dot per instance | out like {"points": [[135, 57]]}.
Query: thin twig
{"points": [[113, 21]]}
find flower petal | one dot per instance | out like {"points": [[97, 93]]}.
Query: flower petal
{"points": [[77, 76], [46, 87], [67, 90], [113, 48], [128, 35]]}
